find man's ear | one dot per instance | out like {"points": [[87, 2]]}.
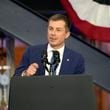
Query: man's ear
{"points": [[68, 34]]}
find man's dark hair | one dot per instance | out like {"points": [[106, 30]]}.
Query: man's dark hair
{"points": [[57, 17]]}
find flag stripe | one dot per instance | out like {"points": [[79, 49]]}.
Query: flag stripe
{"points": [[90, 30], [105, 2], [92, 12]]}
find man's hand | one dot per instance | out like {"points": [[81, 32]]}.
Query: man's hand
{"points": [[31, 70]]}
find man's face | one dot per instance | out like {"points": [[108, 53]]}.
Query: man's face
{"points": [[57, 33]]}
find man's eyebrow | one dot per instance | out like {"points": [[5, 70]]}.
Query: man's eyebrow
{"points": [[49, 26], [59, 28], [56, 27]]}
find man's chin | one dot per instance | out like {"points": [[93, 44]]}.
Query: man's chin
{"points": [[53, 45]]}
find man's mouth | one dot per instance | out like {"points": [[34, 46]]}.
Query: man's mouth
{"points": [[52, 39]]}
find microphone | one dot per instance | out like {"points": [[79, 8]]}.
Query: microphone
{"points": [[44, 59], [56, 56], [55, 62]]}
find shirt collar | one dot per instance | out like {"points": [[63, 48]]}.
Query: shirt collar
{"points": [[61, 50]]}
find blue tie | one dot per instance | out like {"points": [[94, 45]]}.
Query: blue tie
{"points": [[52, 65]]}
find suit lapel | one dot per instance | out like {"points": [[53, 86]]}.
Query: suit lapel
{"points": [[65, 62], [42, 70]]}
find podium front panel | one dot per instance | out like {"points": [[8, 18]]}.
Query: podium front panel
{"points": [[73, 92]]}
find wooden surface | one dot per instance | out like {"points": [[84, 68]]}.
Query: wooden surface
{"points": [[102, 98]]}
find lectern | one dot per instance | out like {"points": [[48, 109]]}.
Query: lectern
{"points": [[68, 92]]}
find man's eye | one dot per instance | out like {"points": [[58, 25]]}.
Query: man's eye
{"points": [[50, 29], [58, 30]]}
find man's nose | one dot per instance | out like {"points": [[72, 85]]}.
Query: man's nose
{"points": [[54, 32]]}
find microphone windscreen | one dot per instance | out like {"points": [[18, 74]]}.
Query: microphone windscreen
{"points": [[44, 56], [56, 55]]}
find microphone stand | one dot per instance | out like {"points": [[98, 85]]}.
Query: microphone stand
{"points": [[55, 63], [45, 61]]}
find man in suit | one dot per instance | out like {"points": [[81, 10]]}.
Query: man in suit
{"points": [[35, 62]]}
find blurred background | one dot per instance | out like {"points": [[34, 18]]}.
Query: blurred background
{"points": [[24, 23]]}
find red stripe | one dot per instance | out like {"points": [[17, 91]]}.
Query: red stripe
{"points": [[89, 30]]}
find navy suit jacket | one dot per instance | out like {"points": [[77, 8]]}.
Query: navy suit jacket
{"points": [[72, 62]]}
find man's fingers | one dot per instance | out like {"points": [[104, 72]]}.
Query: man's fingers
{"points": [[32, 69], [35, 65]]}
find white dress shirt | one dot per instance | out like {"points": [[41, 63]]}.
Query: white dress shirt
{"points": [[49, 53]]}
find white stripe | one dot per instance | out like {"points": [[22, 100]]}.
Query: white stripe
{"points": [[92, 12]]}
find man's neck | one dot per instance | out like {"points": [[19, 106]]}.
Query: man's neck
{"points": [[56, 48]]}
